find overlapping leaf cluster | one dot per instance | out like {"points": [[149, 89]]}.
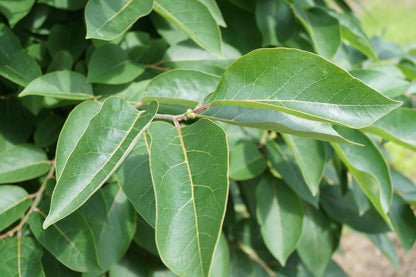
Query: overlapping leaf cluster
{"points": [[142, 137]]}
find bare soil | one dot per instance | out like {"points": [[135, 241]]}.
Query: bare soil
{"points": [[362, 259]]}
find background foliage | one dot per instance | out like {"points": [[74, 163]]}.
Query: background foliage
{"points": [[141, 138]]}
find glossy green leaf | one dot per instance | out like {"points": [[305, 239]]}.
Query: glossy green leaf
{"points": [[195, 19], [275, 20], [246, 161], [302, 84], [281, 159], [387, 84], [66, 85], [280, 215], [386, 247], [189, 170], [404, 186], [14, 201], [14, 10], [221, 259], [113, 237], [215, 11], [310, 157], [323, 28], [135, 180], [22, 162], [398, 126], [369, 168], [69, 38], [186, 54], [274, 121], [20, 68], [20, 257], [131, 92], [404, 222], [48, 130], [114, 130], [74, 127], [64, 4], [106, 19], [181, 86], [317, 242], [71, 240], [342, 208], [110, 64], [352, 31]]}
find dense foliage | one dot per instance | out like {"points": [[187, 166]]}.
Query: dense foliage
{"points": [[189, 137]]}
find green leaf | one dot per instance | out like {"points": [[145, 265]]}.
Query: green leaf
{"points": [[386, 247], [114, 130], [66, 85], [110, 64], [387, 84], [310, 157], [20, 257], [53, 267], [69, 38], [9, 43], [145, 236], [48, 130], [107, 19], [181, 86], [317, 242], [369, 168], [281, 159], [195, 19], [22, 162], [137, 263], [14, 201], [275, 20], [62, 60], [71, 240], [64, 4], [404, 222], [15, 10], [352, 31], [360, 199], [404, 186], [274, 121], [136, 43], [20, 68], [186, 54], [280, 215], [398, 126], [74, 127], [15, 123], [221, 259], [113, 237], [302, 84], [242, 265], [135, 180], [343, 209], [322, 27], [189, 168], [246, 161]]}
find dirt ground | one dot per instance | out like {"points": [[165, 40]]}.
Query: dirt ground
{"points": [[362, 259]]}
